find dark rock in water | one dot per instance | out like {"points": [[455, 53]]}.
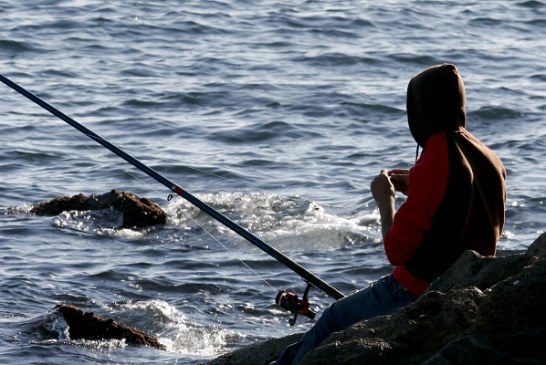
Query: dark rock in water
{"points": [[137, 212], [483, 310], [87, 325]]}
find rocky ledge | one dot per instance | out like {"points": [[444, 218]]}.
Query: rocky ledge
{"points": [[484, 310], [137, 212]]}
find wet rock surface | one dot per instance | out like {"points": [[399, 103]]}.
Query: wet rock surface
{"points": [[137, 212], [484, 310], [88, 326]]}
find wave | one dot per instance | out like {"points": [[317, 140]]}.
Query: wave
{"points": [[261, 132], [14, 47], [492, 113], [288, 222]]}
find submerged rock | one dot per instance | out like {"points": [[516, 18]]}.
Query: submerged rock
{"points": [[137, 212], [483, 310], [88, 326]]}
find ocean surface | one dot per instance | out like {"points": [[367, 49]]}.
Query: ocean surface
{"points": [[276, 113]]}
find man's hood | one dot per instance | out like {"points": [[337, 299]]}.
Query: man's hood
{"points": [[435, 102]]}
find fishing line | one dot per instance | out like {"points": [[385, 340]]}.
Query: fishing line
{"points": [[287, 300], [63, 132], [230, 251], [214, 238]]}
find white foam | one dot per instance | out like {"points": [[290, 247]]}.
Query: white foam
{"points": [[288, 222], [103, 222], [173, 328]]}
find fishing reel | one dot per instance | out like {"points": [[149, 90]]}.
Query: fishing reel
{"points": [[293, 304]]}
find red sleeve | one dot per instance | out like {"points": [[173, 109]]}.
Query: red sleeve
{"points": [[427, 185]]}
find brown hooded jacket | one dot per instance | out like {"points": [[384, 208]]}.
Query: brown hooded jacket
{"points": [[457, 192]]}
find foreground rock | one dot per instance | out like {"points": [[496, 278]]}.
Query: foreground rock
{"points": [[88, 326], [484, 310], [137, 212]]}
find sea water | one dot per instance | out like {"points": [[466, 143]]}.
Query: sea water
{"points": [[276, 113]]}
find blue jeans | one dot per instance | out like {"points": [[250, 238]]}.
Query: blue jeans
{"points": [[382, 297]]}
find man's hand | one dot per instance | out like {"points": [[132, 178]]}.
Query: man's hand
{"points": [[383, 193], [381, 187], [399, 178]]}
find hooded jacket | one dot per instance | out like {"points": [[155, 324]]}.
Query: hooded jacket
{"points": [[457, 193]]}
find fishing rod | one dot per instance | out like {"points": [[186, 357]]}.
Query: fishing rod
{"points": [[285, 299]]}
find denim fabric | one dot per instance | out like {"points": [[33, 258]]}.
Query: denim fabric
{"points": [[382, 297]]}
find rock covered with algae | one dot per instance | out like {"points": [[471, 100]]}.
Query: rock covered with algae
{"points": [[89, 326], [137, 212]]}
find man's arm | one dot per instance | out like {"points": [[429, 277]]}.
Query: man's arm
{"points": [[383, 192]]}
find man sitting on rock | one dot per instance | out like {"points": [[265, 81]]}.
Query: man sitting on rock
{"points": [[456, 197]]}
